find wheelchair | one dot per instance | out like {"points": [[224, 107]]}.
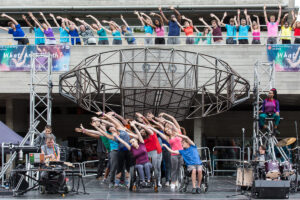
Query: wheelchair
{"points": [[135, 184], [52, 183], [186, 176]]}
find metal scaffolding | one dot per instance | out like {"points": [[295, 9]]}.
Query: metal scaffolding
{"points": [[40, 104], [264, 80]]}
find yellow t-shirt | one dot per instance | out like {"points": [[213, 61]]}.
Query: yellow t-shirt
{"points": [[286, 33]]}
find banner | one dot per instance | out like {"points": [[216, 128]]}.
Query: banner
{"points": [[286, 57], [18, 57]]}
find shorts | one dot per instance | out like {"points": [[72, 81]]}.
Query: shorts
{"points": [[103, 42], [243, 41], [117, 42], [196, 167], [255, 41], [297, 41], [159, 40], [189, 40], [286, 41], [272, 40], [50, 42], [23, 41]]}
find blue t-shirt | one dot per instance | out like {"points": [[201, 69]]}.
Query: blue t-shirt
{"points": [[17, 33], [64, 35], [174, 29], [191, 155], [243, 31], [39, 36], [102, 34], [231, 31], [129, 36], [74, 34], [148, 29], [113, 144], [117, 35], [124, 136]]}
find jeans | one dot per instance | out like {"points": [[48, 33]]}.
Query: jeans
{"points": [[159, 159], [272, 40], [103, 42], [113, 165], [148, 41], [167, 162], [117, 42], [189, 40], [140, 168], [176, 162], [101, 164], [263, 116], [174, 40], [153, 156]]}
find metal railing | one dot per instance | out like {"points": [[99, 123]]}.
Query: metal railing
{"points": [[228, 160], [83, 165], [204, 153], [141, 39]]}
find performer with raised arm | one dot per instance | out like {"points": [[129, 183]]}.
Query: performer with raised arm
{"points": [[63, 30], [99, 29], [127, 32], [159, 29], [272, 25]]}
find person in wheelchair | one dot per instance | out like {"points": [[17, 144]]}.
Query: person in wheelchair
{"points": [[270, 109], [192, 160], [52, 153], [139, 152]]}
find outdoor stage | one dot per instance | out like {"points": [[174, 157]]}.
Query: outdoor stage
{"points": [[219, 188]]}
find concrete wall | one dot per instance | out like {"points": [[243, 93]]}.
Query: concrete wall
{"points": [[240, 58], [134, 3]]}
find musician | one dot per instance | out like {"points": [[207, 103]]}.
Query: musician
{"points": [[41, 139], [262, 157], [270, 108], [52, 153]]}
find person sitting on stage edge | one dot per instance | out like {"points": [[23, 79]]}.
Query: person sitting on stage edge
{"points": [[270, 108], [41, 139], [192, 160], [52, 153]]}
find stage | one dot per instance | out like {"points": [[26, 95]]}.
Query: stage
{"points": [[219, 188]]}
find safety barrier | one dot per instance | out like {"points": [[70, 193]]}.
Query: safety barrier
{"points": [[229, 160]]}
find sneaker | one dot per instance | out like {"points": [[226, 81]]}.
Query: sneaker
{"points": [[172, 187], [198, 190], [104, 180], [111, 185], [194, 191], [159, 184], [167, 184]]}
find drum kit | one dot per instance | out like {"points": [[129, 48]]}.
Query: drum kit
{"points": [[270, 169]]}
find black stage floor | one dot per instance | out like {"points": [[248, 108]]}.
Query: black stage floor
{"points": [[219, 188]]}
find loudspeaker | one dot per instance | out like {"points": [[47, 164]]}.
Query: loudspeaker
{"points": [[270, 189]]}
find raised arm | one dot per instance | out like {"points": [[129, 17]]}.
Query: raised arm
{"points": [[27, 22], [163, 15], [116, 122], [217, 18], [248, 16], [257, 21], [95, 19], [279, 14], [116, 25], [54, 19], [111, 137], [123, 142], [187, 19], [10, 18], [238, 17], [140, 138], [107, 30], [36, 21], [172, 118], [265, 14], [177, 13], [163, 136], [170, 150], [224, 16], [2, 28], [45, 20], [85, 24], [63, 25], [187, 138], [124, 21], [235, 22], [283, 19], [159, 16], [143, 14], [139, 17], [181, 27], [294, 19]]}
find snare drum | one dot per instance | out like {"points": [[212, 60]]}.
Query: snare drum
{"points": [[286, 169], [272, 169]]}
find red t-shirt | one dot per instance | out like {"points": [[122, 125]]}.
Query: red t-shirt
{"points": [[152, 143], [189, 30], [297, 32]]}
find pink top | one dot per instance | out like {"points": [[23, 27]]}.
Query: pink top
{"points": [[256, 35], [175, 144], [160, 31], [272, 29]]}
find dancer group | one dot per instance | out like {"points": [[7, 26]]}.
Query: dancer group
{"points": [[148, 142], [79, 32]]}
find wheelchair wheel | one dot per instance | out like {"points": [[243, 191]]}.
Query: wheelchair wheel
{"points": [[42, 189]]}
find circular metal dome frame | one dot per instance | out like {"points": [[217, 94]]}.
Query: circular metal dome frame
{"points": [[184, 84]]}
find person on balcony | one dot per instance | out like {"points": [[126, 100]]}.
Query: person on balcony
{"points": [[188, 29], [38, 33], [127, 32], [286, 29], [148, 27], [255, 29], [272, 26], [243, 27], [63, 30]]}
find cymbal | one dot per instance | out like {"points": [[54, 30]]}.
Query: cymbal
{"points": [[286, 142]]}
